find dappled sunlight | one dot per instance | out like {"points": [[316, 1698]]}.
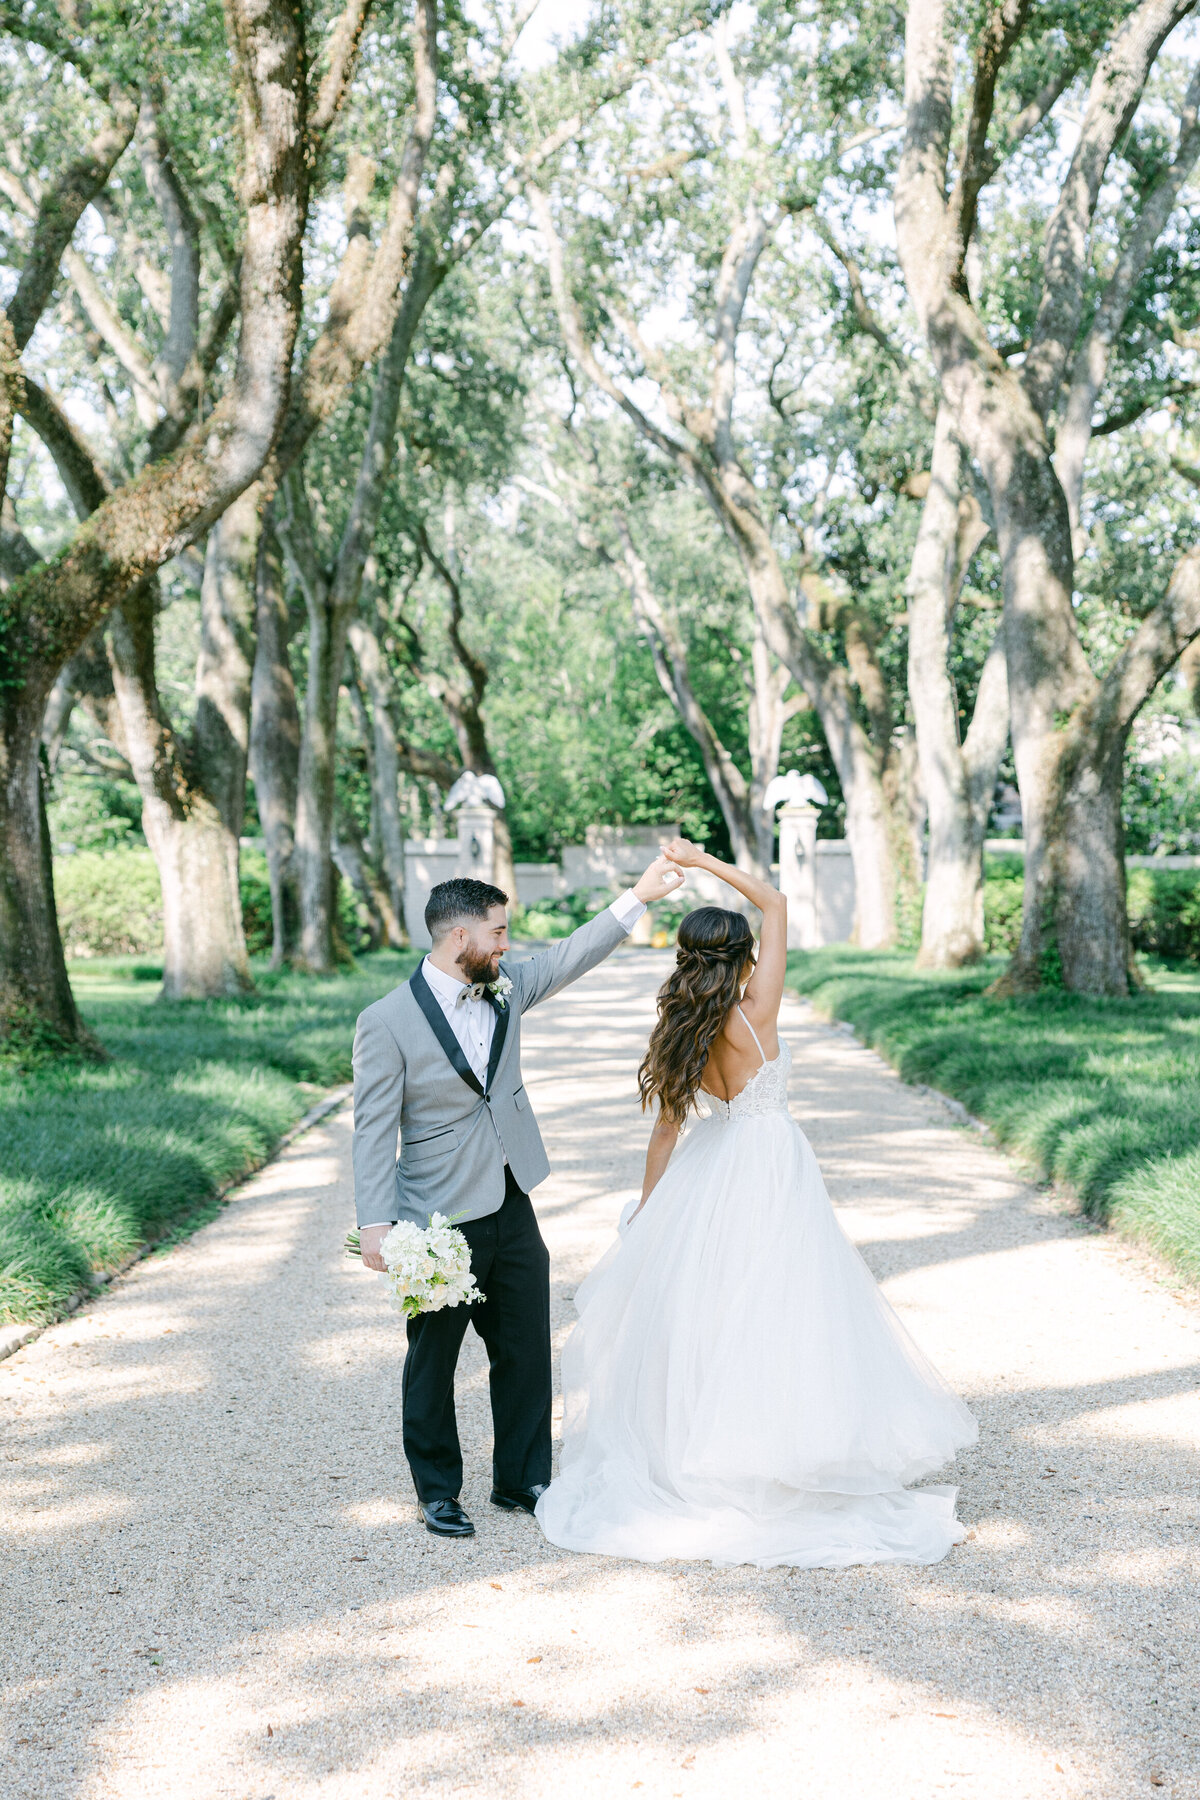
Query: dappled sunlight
{"points": [[229, 1595], [39, 1512], [525, 1673]]}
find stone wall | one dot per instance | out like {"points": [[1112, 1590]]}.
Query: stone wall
{"points": [[614, 856]]}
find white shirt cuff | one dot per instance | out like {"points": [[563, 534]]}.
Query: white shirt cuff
{"points": [[388, 1222], [627, 909]]}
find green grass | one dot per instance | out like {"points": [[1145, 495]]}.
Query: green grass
{"points": [[1101, 1096], [97, 1159]]}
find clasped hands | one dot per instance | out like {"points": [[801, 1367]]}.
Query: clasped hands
{"points": [[663, 877]]}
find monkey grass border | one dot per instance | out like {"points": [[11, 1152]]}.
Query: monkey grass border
{"points": [[15, 1337]]}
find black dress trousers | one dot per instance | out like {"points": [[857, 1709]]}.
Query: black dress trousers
{"points": [[511, 1266]]}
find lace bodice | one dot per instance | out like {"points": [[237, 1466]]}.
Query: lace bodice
{"points": [[765, 1092]]}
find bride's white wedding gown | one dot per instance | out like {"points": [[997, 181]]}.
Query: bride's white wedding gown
{"points": [[737, 1388]]}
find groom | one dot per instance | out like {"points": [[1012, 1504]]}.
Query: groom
{"points": [[438, 1061]]}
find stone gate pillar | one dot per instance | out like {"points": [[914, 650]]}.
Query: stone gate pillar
{"points": [[798, 873], [476, 842]]}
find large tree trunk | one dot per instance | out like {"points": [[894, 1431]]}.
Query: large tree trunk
{"points": [[1086, 867], [193, 797], [37, 1006], [957, 778], [275, 736], [875, 833], [353, 864], [378, 854], [35, 996], [315, 789], [767, 714], [873, 845], [204, 946], [220, 744], [275, 744], [385, 766], [212, 957]]}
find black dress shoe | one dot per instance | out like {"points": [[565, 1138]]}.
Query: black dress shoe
{"points": [[445, 1518], [518, 1499]]}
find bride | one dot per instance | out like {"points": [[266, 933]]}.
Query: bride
{"points": [[737, 1388]]}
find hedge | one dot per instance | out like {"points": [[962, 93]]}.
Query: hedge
{"points": [[110, 903], [1164, 909]]}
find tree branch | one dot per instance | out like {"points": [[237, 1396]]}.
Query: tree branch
{"points": [[10, 376], [39, 28], [742, 252], [571, 325], [80, 471], [473, 666], [1158, 642], [1092, 360], [60, 209], [866, 317], [671, 666], [1113, 98], [345, 41], [1000, 32], [183, 243], [363, 311], [111, 328], [379, 448]]}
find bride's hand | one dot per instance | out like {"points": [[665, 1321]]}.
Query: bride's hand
{"points": [[688, 856], [660, 879]]}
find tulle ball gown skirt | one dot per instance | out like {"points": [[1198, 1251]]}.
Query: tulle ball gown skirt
{"points": [[737, 1389]]}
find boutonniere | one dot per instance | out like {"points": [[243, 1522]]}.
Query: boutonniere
{"points": [[500, 989]]}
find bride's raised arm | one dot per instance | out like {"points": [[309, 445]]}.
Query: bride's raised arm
{"points": [[764, 990]]}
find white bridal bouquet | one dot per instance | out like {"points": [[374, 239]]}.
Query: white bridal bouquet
{"points": [[426, 1270]]}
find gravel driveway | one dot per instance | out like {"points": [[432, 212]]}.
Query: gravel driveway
{"points": [[215, 1587]]}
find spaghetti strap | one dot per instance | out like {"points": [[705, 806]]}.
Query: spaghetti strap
{"points": [[753, 1034]]}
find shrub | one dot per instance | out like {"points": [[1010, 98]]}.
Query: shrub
{"points": [[558, 918], [1003, 891], [109, 903], [256, 901], [1164, 912], [1164, 909]]}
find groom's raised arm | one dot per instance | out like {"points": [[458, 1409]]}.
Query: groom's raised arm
{"points": [[378, 1099], [550, 970]]}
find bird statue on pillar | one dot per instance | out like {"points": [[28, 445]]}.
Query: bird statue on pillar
{"points": [[794, 789], [475, 790]]}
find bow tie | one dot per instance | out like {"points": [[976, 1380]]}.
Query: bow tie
{"points": [[475, 991]]}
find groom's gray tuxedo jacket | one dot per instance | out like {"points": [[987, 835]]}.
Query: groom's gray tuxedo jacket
{"points": [[411, 1079]]}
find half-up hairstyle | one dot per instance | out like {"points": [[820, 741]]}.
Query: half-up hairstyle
{"points": [[714, 955]]}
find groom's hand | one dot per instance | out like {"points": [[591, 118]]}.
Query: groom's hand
{"points": [[661, 878], [369, 1240]]}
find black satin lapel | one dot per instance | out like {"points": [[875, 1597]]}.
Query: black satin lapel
{"points": [[499, 1033], [441, 1029]]}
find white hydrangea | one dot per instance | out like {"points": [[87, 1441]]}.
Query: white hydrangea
{"points": [[427, 1270]]}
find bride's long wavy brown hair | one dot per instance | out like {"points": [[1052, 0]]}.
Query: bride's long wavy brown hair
{"points": [[714, 956]]}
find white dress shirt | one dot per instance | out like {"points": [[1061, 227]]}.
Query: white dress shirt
{"points": [[473, 1022]]}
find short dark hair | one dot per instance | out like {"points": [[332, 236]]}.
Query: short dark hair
{"points": [[450, 903]]}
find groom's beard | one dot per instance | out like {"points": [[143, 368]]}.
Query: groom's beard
{"points": [[477, 967]]}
